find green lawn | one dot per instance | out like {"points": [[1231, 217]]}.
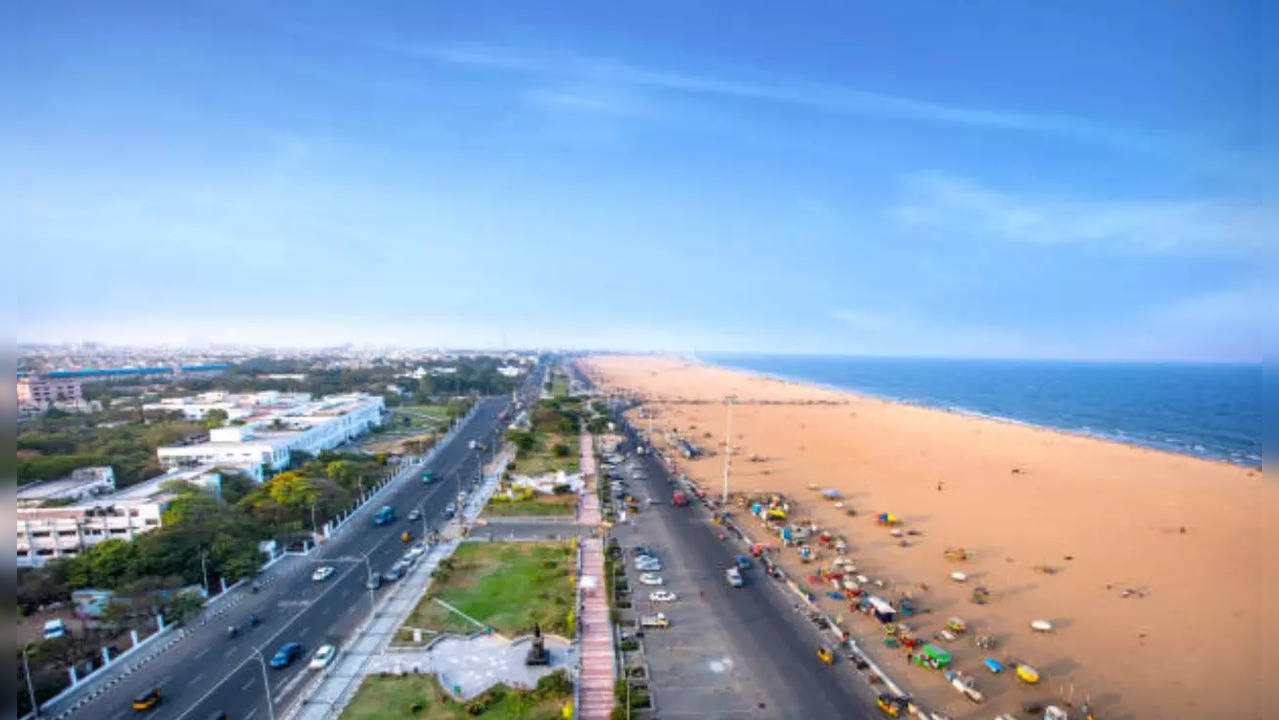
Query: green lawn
{"points": [[508, 586], [421, 417], [536, 505], [559, 387], [541, 458], [388, 698]]}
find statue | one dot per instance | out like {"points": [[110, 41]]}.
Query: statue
{"points": [[537, 655]]}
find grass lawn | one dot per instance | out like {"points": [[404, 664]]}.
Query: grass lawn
{"points": [[559, 387], [508, 586], [536, 505], [542, 460], [388, 698]]}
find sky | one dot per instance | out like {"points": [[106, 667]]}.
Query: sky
{"points": [[981, 179]]}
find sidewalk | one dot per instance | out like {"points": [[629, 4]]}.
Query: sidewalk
{"points": [[596, 678]]}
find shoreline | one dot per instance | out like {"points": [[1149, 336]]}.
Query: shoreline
{"points": [[1118, 439], [1159, 557]]}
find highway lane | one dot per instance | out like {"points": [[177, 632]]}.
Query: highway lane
{"points": [[777, 643], [208, 672]]}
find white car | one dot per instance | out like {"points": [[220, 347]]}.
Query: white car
{"points": [[647, 562], [662, 596], [323, 657], [322, 573], [651, 579]]}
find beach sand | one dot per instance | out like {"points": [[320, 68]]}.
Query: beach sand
{"points": [[1196, 538]]}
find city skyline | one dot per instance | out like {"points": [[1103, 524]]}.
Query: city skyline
{"points": [[1001, 181]]}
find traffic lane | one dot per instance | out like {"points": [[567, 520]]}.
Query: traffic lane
{"points": [[325, 620], [772, 635]]}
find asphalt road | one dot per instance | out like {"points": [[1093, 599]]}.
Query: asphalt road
{"points": [[776, 642], [209, 672]]}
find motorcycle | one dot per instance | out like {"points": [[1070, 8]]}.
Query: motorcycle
{"points": [[232, 631]]}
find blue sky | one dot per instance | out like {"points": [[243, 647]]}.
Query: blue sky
{"points": [[1058, 180]]}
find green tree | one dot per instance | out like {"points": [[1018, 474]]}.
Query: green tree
{"points": [[183, 606], [215, 418]]}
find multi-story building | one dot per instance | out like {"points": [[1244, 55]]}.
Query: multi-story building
{"points": [[49, 528], [80, 484], [43, 391], [268, 437]]}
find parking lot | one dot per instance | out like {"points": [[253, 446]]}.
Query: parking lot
{"points": [[694, 670]]}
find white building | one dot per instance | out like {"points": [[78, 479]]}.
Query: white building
{"points": [[270, 436], [48, 533], [510, 371], [81, 483], [236, 407]]}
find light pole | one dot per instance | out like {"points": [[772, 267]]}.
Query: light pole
{"points": [[31, 693], [314, 530], [266, 684], [204, 570], [369, 567], [728, 444]]}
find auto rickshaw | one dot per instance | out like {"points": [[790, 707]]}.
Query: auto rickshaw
{"points": [[1027, 674], [406, 537], [147, 701], [825, 655], [956, 624], [891, 705]]}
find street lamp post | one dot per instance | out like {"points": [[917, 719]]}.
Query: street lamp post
{"points": [[31, 692], [369, 567], [266, 684], [728, 444], [204, 570]]}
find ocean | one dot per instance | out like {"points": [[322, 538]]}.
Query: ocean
{"points": [[1206, 410]]}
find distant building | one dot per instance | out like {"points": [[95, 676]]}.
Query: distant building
{"points": [[50, 532], [159, 373], [268, 437], [38, 393], [236, 407]]}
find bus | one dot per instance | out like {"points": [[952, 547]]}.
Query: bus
{"points": [[384, 515]]}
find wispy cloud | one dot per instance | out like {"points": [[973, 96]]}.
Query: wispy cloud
{"points": [[824, 97], [1183, 227]]}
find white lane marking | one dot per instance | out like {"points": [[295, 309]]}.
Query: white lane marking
{"points": [[195, 679], [252, 712], [248, 684], [304, 631], [201, 653]]}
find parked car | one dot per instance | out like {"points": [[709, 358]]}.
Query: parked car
{"points": [[415, 514], [654, 621], [322, 573], [323, 657], [647, 563], [662, 596], [651, 579], [285, 656], [395, 573], [147, 700], [374, 582]]}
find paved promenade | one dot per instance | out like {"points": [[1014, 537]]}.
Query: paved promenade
{"points": [[597, 632]]}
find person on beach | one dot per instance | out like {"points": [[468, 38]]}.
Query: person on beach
{"points": [[938, 486]]}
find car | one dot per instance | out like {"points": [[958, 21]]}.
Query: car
{"points": [[450, 510], [414, 514], [662, 596], [285, 656], [323, 657], [643, 550], [374, 582], [651, 579], [416, 551], [743, 562], [395, 573], [409, 557], [654, 621], [147, 700], [655, 501], [647, 563], [734, 577], [322, 573]]}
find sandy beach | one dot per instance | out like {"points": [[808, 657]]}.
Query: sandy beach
{"points": [[1191, 541]]}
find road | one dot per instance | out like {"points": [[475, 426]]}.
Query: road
{"points": [[209, 672], [777, 643]]}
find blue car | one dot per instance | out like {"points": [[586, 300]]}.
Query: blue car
{"points": [[742, 562], [286, 655]]}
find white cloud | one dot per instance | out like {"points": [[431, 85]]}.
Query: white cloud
{"points": [[812, 95], [1191, 227]]}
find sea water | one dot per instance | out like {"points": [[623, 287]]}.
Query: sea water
{"points": [[1206, 410]]}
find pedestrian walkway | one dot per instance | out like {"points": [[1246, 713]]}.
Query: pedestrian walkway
{"points": [[596, 678]]}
